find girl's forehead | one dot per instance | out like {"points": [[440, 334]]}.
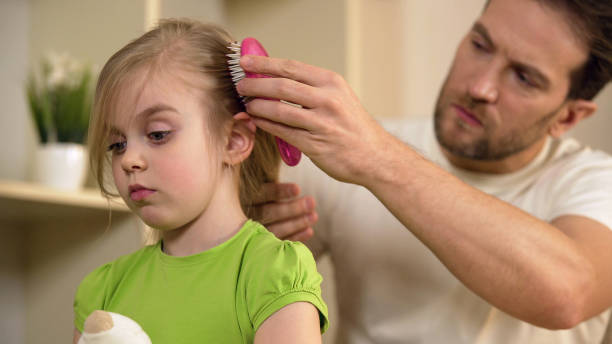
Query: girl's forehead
{"points": [[144, 88]]}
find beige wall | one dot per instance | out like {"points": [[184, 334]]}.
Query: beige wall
{"points": [[88, 29], [311, 31], [16, 138], [205, 11], [14, 24], [595, 130]]}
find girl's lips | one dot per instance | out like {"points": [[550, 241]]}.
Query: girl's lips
{"points": [[467, 117], [140, 194]]}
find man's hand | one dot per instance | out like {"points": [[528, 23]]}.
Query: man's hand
{"points": [[331, 126], [284, 212]]}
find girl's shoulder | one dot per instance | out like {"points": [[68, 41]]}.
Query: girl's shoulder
{"points": [[263, 246], [94, 290], [279, 266], [104, 273], [276, 273]]}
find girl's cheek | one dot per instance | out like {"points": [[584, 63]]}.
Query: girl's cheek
{"points": [[117, 178]]}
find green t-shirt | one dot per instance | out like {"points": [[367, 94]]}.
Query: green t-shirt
{"points": [[221, 295]]}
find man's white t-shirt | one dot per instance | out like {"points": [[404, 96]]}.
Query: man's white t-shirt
{"points": [[392, 289]]}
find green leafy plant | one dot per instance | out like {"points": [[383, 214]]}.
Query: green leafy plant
{"points": [[60, 98]]}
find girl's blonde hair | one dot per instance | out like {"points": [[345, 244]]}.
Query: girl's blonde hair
{"points": [[199, 49]]}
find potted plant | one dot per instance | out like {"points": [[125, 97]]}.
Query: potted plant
{"points": [[59, 98]]}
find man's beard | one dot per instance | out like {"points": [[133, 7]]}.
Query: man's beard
{"points": [[487, 148]]}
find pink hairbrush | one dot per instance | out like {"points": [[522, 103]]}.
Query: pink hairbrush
{"points": [[250, 46]]}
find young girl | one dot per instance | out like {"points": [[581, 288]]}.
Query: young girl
{"points": [[165, 123]]}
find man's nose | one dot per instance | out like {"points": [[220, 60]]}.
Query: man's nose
{"points": [[133, 159], [484, 86]]}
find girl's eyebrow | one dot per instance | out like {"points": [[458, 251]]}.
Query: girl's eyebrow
{"points": [[151, 110], [155, 109]]}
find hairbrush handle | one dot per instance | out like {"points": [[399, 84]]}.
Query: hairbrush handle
{"points": [[290, 154]]}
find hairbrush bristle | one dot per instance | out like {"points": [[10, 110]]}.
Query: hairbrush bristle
{"points": [[233, 62]]}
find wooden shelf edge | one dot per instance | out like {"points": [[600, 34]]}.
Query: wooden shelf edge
{"points": [[87, 198]]}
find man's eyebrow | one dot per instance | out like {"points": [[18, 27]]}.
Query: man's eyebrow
{"points": [[540, 77], [535, 73], [482, 30]]}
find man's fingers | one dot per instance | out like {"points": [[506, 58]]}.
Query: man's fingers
{"points": [[288, 115], [294, 136], [302, 236], [293, 228], [272, 192], [283, 211], [280, 88], [291, 69]]}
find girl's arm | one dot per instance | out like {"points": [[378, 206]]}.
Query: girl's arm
{"points": [[295, 323]]}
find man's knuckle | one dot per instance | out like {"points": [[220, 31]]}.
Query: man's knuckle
{"points": [[333, 103], [334, 78], [289, 88], [288, 67]]}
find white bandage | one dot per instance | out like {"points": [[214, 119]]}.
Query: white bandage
{"points": [[124, 331]]}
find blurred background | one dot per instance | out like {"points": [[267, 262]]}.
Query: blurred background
{"points": [[394, 53]]}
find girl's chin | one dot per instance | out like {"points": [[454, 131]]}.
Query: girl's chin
{"points": [[158, 222], [161, 223], [163, 226]]}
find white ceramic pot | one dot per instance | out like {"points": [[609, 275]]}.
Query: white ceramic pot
{"points": [[61, 165]]}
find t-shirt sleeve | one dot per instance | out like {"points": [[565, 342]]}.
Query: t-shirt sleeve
{"points": [[90, 295], [586, 191], [286, 273]]}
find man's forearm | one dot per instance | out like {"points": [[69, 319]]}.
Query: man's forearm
{"points": [[521, 265]]}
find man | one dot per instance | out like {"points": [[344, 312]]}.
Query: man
{"points": [[520, 218]]}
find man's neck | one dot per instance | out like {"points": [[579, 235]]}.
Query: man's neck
{"points": [[507, 165]]}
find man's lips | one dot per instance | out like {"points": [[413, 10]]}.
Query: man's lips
{"points": [[139, 192], [467, 116]]}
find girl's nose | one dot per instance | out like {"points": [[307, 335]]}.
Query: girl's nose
{"points": [[133, 160]]}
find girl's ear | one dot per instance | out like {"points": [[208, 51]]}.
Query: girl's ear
{"points": [[240, 140], [575, 111]]}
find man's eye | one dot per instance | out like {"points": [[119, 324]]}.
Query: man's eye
{"points": [[524, 79], [478, 45], [117, 147], [158, 136]]}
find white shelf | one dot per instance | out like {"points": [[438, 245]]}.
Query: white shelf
{"points": [[26, 203]]}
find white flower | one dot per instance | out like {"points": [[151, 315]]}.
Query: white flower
{"points": [[64, 70]]}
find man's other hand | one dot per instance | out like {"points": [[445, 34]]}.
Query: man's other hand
{"points": [[284, 212]]}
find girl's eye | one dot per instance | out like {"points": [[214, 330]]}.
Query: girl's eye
{"points": [[117, 147], [158, 136]]}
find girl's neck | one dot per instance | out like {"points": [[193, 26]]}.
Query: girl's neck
{"points": [[220, 221]]}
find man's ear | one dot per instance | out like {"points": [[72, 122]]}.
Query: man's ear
{"points": [[573, 112], [241, 139]]}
